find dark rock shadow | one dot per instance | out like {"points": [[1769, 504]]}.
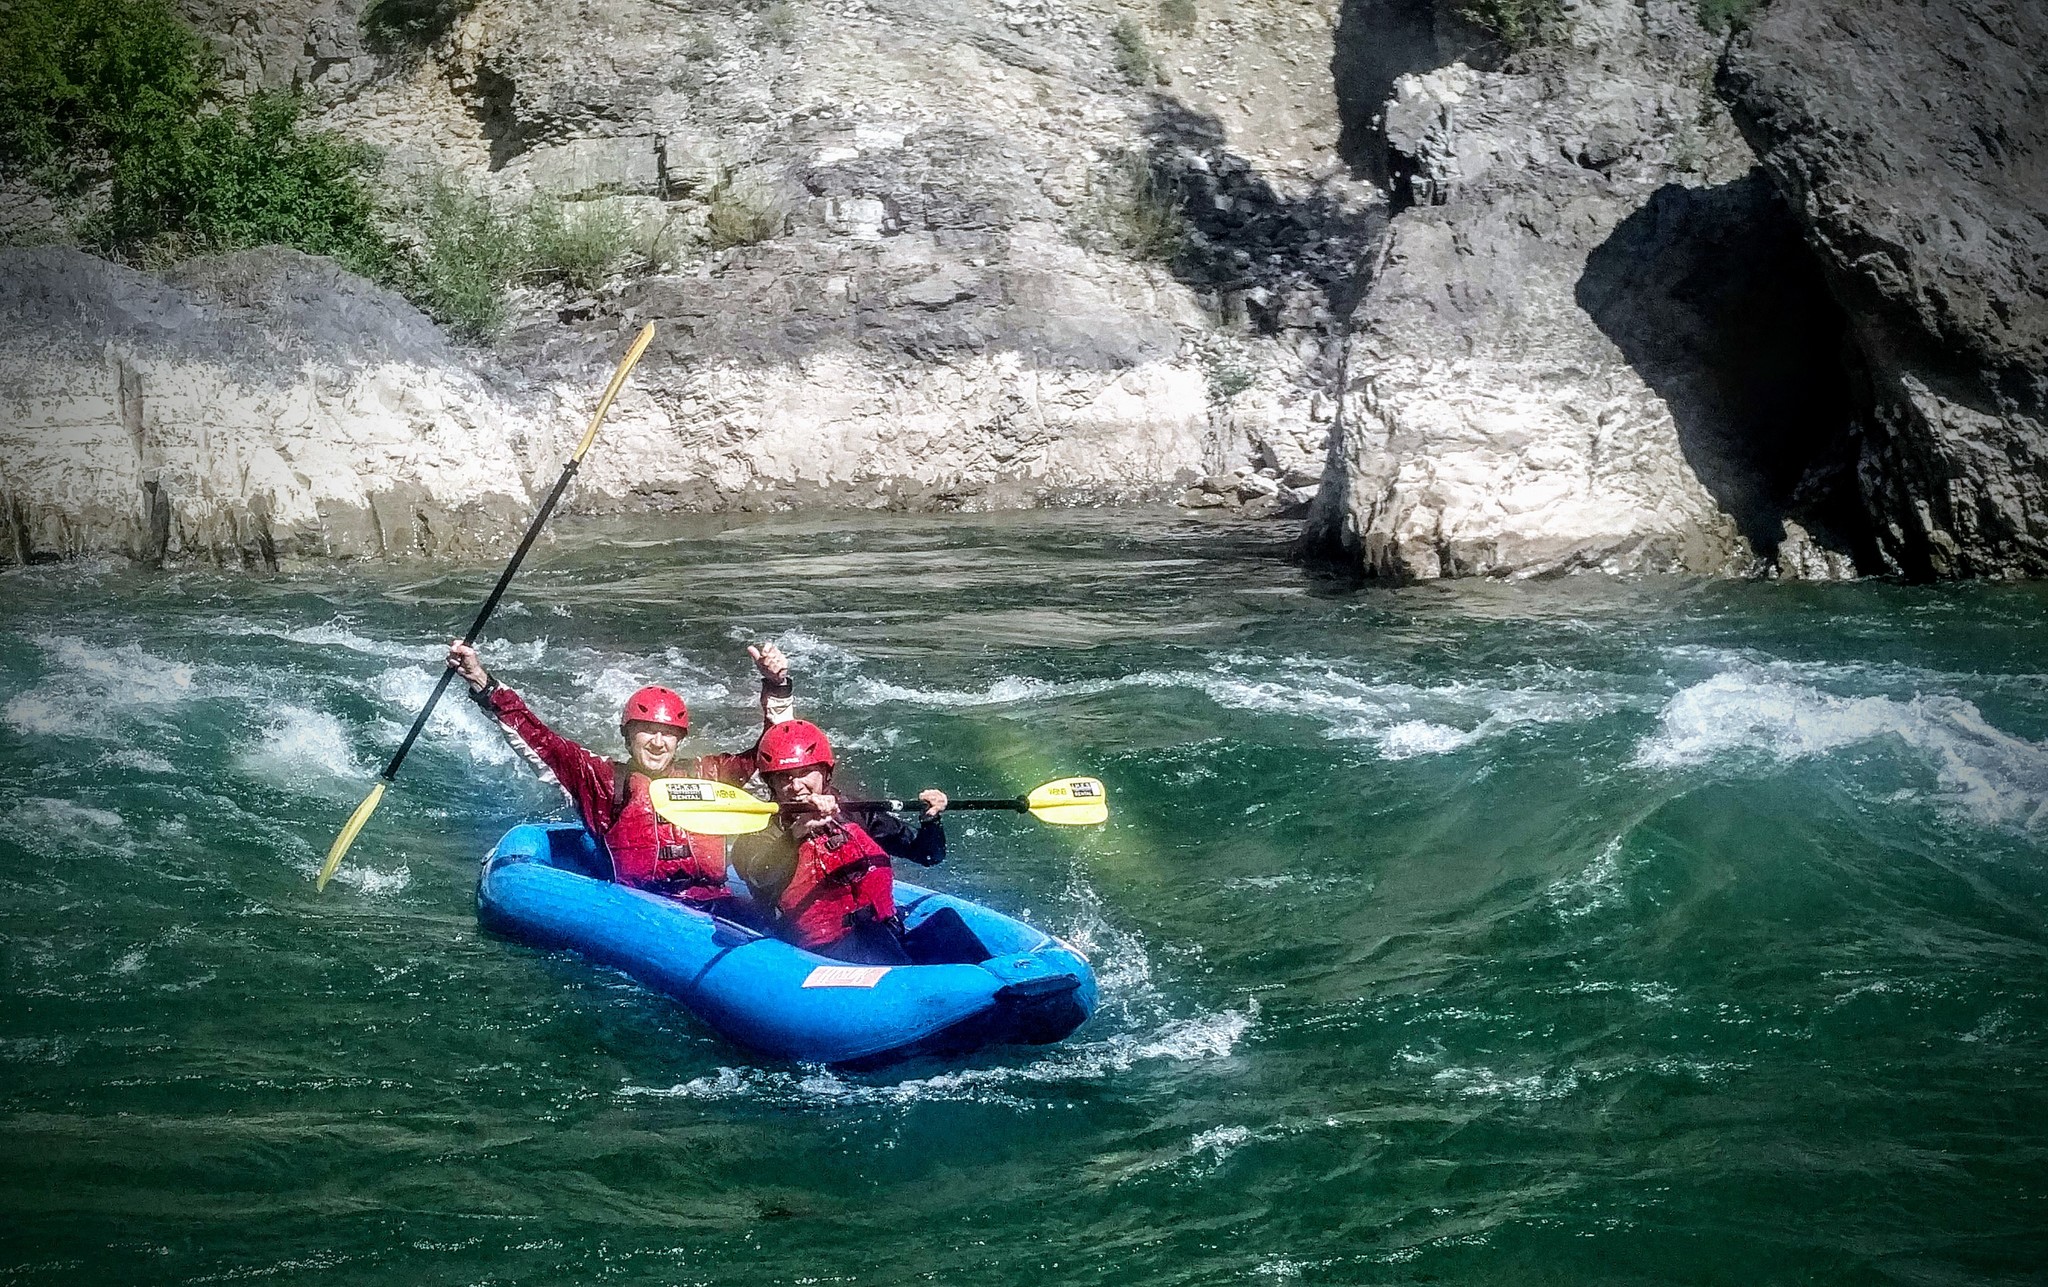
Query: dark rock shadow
{"points": [[1255, 252], [1376, 43], [1716, 302]]}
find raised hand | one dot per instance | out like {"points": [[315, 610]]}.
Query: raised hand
{"points": [[462, 659], [768, 659]]}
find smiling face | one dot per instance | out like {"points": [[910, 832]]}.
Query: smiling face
{"points": [[793, 787], [650, 747]]}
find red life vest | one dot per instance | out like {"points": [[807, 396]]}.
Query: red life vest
{"points": [[651, 853], [840, 873]]}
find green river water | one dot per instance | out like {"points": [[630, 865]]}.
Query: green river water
{"points": [[1575, 932]]}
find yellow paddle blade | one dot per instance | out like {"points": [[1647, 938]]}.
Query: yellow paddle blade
{"points": [[611, 390], [709, 808], [1070, 802], [348, 835]]}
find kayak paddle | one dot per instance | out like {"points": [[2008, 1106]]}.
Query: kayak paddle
{"points": [[716, 809], [709, 808], [1068, 802], [369, 805]]}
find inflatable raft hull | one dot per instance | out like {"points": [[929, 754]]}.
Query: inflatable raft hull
{"points": [[548, 885]]}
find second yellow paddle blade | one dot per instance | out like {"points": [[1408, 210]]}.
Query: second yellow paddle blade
{"points": [[709, 808], [348, 836], [1070, 802]]}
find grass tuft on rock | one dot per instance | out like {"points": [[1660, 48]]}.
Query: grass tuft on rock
{"points": [[1729, 15], [1177, 16], [1133, 56], [578, 246], [1516, 24], [779, 23], [1139, 212], [742, 214], [468, 254]]}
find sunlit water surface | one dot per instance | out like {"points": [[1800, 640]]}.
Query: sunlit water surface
{"points": [[1579, 932]]}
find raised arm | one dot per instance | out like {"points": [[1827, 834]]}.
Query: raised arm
{"points": [[778, 703], [575, 767], [778, 693]]}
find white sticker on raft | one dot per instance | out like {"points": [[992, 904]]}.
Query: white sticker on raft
{"points": [[846, 976]]}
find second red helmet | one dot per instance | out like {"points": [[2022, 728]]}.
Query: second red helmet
{"points": [[657, 706], [793, 744]]}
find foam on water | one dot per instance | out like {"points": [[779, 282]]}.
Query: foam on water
{"points": [[808, 655], [301, 743], [1183, 1042], [1403, 720], [1986, 775], [1598, 885], [456, 724], [63, 829], [87, 681]]}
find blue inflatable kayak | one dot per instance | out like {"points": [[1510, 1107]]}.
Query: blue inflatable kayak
{"points": [[549, 885]]}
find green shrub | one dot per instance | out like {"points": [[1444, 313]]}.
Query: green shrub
{"points": [[395, 25], [580, 247], [1517, 24], [247, 175], [1141, 212], [778, 23], [120, 90], [742, 215], [468, 253], [1133, 56], [83, 77], [1728, 15], [1227, 377], [1177, 16]]}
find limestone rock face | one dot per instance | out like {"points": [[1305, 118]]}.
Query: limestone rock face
{"points": [[264, 407], [1587, 340], [1912, 141]]}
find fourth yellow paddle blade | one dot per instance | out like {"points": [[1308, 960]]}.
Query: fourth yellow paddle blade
{"points": [[709, 808], [1070, 802]]}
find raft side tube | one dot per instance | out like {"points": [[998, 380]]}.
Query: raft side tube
{"points": [[540, 886]]}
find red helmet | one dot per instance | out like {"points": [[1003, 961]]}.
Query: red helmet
{"points": [[792, 744], [657, 706]]}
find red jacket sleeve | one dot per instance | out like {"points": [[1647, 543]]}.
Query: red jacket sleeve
{"points": [[589, 779]]}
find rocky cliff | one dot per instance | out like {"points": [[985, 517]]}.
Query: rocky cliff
{"points": [[942, 309], [1592, 338], [1485, 312], [1912, 142], [1614, 327]]}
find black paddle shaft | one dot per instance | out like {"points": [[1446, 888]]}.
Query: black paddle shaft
{"points": [[913, 806], [476, 627]]}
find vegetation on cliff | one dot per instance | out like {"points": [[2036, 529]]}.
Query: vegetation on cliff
{"points": [[117, 107], [117, 104]]}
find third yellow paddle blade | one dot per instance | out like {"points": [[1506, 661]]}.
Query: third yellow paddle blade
{"points": [[1070, 802], [709, 808]]}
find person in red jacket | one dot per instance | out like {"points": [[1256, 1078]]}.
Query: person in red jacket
{"points": [[827, 876], [647, 851]]}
